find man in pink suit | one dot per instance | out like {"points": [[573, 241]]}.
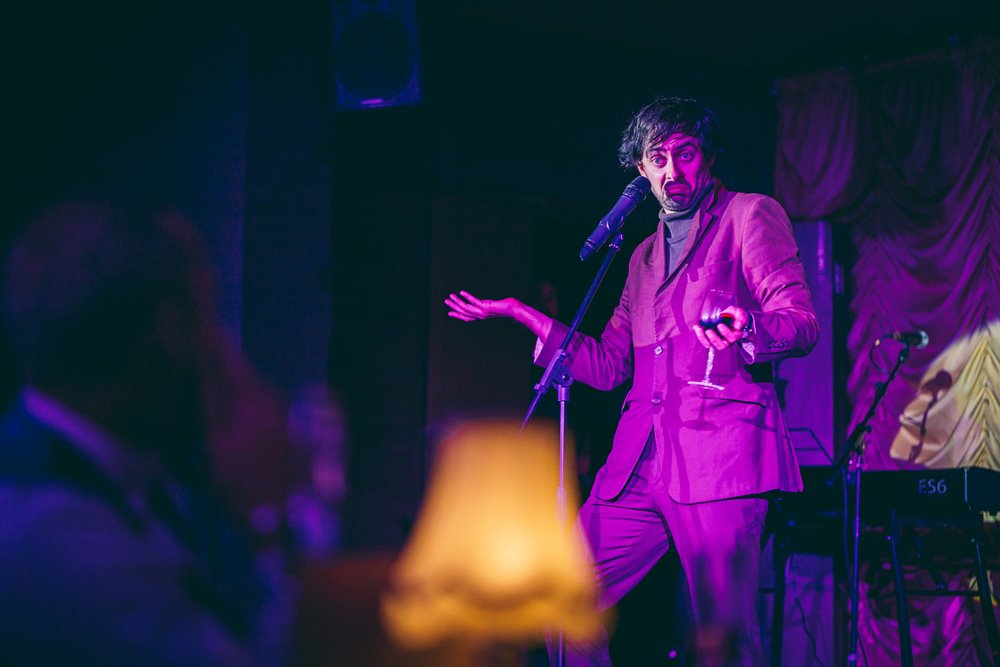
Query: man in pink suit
{"points": [[690, 464]]}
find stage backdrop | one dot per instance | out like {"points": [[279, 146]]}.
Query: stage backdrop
{"points": [[908, 155]]}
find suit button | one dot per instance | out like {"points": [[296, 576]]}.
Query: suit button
{"points": [[658, 350], [655, 401]]}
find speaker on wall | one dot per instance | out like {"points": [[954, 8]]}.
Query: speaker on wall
{"points": [[376, 53]]}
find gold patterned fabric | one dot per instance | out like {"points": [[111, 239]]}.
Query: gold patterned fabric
{"points": [[954, 420]]}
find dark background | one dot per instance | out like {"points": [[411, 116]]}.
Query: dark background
{"points": [[338, 233]]}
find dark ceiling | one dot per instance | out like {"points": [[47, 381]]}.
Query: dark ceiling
{"points": [[79, 77], [776, 38]]}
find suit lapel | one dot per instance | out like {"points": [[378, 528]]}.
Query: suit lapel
{"points": [[656, 262]]}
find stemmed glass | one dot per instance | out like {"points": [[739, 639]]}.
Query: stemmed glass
{"points": [[712, 315]]}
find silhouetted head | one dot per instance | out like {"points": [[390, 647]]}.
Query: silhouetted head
{"points": [[108, 309]]}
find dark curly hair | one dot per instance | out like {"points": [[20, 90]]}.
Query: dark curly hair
{"points": [[661, 118]]}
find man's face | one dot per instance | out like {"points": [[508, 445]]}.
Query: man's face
{"points": [[677, 169]]}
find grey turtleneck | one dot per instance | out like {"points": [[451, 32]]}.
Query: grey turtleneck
{"points": [[677, 226]]}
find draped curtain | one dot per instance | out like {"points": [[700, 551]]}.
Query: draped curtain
{"points": [[908, 155]]}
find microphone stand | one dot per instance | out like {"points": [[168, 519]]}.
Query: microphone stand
{"points": [[558, 373], [851, 460]]}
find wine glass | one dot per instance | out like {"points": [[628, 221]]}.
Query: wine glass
{"points": [[712, 315]]}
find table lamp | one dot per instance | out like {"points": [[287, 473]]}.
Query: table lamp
{"points": [[489, 559]]}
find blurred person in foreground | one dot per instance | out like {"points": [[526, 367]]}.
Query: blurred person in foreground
{"points": [[691, 460], [317, 433], [125, 460]]}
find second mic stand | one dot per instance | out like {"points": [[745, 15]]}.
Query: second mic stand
{"points": [[851, 460], [558, 373]]}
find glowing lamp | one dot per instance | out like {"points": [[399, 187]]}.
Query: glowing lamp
{"points": [[489, 558]]}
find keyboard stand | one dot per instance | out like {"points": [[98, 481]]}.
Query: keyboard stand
{"points": [[972, 523], [783, 525]]}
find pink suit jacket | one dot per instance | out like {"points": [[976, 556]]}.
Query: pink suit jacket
{"points": [[717, 444]]}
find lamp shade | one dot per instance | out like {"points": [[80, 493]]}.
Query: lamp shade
{"points": [[489, 558]]}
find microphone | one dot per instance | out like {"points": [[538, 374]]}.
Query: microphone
{"points": [[609, 225], [918, 339]]}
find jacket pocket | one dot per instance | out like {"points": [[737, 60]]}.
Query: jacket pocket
{"points": [[747, 394]]}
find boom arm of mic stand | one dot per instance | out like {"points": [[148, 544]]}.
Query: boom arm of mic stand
{"points": [[855, 441], [557, 372]]}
